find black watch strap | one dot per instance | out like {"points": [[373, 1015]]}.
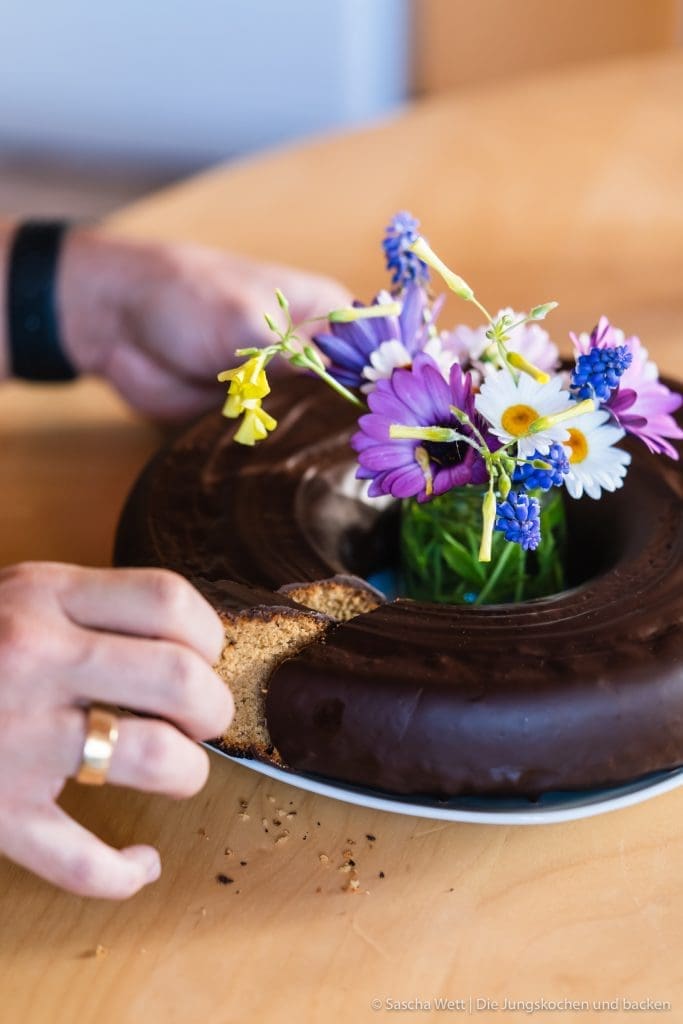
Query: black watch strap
{"points": [[35, 349]]}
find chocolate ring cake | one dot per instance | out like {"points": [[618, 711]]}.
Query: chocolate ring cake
{"points": [[578, 690]]}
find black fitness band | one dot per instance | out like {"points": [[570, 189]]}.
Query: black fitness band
{"points": [[35, 350]]}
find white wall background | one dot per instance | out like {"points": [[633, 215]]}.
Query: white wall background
{"points": [[174, 81]]}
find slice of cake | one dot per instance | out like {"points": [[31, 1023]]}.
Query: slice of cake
{"points": [[260, 637], [340, 597]]}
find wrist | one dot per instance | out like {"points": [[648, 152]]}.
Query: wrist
{"points": [[6, 233], [88, 313], [101, 282]]}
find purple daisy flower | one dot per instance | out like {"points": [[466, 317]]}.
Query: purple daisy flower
{"points": [[350, 345], [418, 397], [641, 404]]}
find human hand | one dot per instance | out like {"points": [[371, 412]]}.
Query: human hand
{"points": [[160, 321], [143, 639]]}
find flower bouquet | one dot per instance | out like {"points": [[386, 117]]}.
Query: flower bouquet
{"points": [[480, 432]]}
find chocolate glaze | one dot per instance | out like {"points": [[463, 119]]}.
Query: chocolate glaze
{"points": [[578, 690]]}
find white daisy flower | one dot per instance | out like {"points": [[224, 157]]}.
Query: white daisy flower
{"points": [[383, 361], [511, 406], [594, 463], [393, 354]]}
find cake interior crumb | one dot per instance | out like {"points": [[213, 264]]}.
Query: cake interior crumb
{"points": [[254, 647], [257, 640]]}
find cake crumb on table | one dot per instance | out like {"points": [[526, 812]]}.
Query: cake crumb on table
{"points": [[282, 838], [227, 851], [323, 858], [244, 816], [97, 953]]}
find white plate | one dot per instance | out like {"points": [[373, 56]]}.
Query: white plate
{"points": [[549, 809]]}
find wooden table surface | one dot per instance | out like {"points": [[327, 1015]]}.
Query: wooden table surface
{"points": [[564, 187]]}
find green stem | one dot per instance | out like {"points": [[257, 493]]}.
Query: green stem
{"points": [[519, 585], [289, 350], [495, 575], [483, 309], [339, 388]]}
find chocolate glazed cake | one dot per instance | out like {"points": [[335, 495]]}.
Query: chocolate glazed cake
{"points": [[579, 690]]}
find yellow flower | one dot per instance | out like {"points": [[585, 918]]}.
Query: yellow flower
{"points": [[248, 385], [255, 425]]}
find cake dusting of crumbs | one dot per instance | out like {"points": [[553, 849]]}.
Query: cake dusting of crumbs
{"points": [[272, 825]]}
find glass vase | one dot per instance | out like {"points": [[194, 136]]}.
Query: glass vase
{"points": [[440, 552]]}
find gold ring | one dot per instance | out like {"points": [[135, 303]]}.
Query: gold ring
{"points": [[101, 734]]}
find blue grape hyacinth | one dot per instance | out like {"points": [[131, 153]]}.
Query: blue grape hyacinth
{"points": [[535, 479], [597, 372], [403, 264], [518, 518]]}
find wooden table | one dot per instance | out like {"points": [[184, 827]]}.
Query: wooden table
{"points": [[564, 187]]}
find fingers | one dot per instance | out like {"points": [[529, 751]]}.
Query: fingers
{"points": [[149, 755], [145, 602], [155, 676], [155, 757], [156, 391], [45, 840]]}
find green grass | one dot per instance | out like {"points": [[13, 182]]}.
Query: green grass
{"points": [[440, 553]]}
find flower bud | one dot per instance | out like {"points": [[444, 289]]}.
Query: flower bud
{"points": [[541, 312], [349, 314], [520, 363], [488, 522], [439, 434], [456, 283], [544, 422], [314, 356]]}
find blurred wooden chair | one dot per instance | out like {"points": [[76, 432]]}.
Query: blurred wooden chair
{"points": [[462, 42]]}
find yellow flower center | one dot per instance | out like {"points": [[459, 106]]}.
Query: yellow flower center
{"points": [[578, 444], [517, 419]]}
